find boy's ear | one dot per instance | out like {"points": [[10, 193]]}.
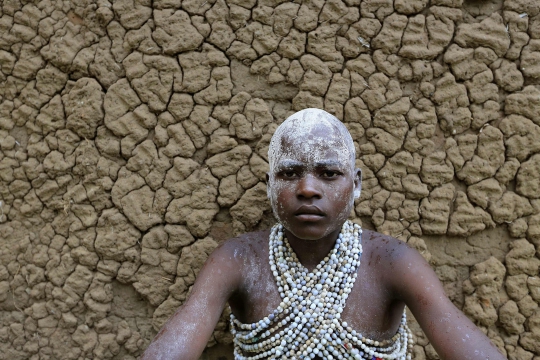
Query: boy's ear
{"points": [[357, 182], [267, 186]]}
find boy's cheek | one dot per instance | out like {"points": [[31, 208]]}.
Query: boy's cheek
{"points": [[276, 186], [273, 189]]}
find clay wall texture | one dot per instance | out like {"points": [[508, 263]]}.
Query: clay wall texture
{"points": [[134, 136]]}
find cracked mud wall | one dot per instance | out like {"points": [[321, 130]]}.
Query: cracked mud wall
{"points": [[133, 140]]}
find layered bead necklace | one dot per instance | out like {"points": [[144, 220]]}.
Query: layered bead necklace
{"points": [[307, 323]]}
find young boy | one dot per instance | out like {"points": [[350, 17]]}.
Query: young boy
{"points": [[316, 285]]}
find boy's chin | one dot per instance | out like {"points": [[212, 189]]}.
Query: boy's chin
{"points": [[311, 232]]}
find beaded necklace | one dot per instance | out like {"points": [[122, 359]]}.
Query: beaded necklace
{"points": [[307, 323]]}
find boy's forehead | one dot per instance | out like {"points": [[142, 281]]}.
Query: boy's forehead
{"points": [[312, 149], [298, 132], [330, 161], [313, 140]]}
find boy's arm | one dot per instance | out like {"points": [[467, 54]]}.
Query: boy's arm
{"points": [[450, 332], [186, 333]]}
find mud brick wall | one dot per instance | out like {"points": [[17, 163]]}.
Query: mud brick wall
{"points": [[134, 136]]}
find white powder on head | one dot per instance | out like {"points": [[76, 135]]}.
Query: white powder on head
{"points": [[310, 136], [298, 127]]}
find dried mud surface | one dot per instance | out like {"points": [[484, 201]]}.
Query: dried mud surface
{"points": [[134, 136]]}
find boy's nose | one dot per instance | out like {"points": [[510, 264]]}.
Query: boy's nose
{"points": [[307, 188]]}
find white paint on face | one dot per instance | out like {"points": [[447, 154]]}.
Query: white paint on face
{"points": [[310, 137]]}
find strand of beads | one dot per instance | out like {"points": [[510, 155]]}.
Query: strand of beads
{"points": [[308, 323]]}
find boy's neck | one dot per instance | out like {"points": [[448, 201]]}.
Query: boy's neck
{"points": [[311, 252]]}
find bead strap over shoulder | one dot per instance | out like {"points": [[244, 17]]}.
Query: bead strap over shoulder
{"points": [[307, 323]]}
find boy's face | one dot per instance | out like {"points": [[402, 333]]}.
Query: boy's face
{"points": [[312, 184]]}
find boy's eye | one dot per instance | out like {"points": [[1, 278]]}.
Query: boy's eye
{"points": [[330, 174], [289, 174]]}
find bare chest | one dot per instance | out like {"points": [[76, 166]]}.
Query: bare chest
{"points": [[370, 308]]}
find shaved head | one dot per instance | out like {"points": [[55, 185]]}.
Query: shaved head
{"points": [[309, 130]]}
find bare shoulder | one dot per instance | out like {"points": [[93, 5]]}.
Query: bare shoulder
{"points": [[225, 267], [245, 245], [395, 263], [240, 253], [384, 250], [411, 280], [186, 333]]}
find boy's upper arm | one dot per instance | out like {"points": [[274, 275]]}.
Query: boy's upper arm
{"points": [[450, 332], [186, 333]]}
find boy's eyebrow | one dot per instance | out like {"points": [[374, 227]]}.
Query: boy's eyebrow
{"points": [[329, 163], [319, 164], [289, 164]]}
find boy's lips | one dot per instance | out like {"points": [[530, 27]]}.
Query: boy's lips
{"points": [[309, 213]]}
